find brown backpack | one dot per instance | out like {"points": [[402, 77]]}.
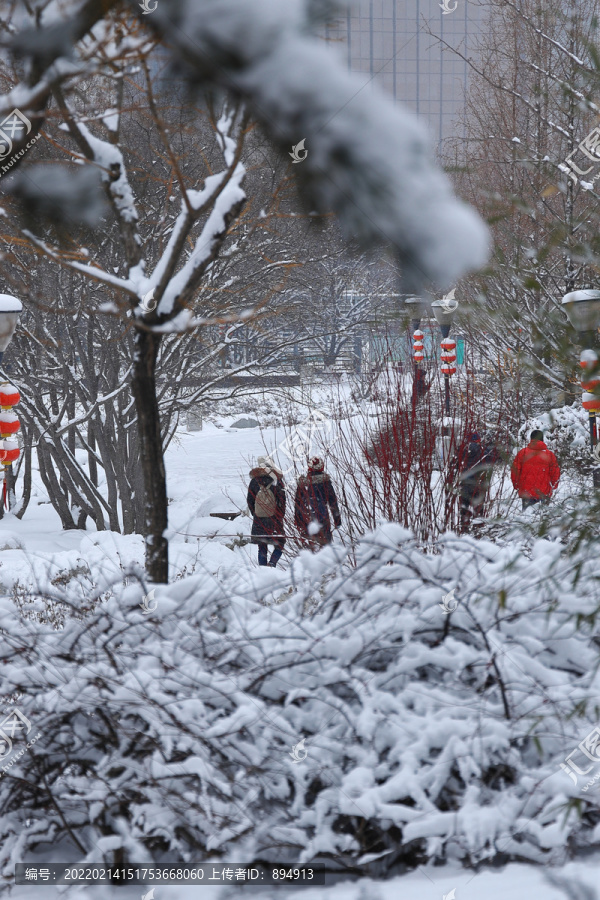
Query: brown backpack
{"points": [[265, 505]]}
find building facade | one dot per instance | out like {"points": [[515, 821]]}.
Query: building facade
{"points": [[390, 44]]}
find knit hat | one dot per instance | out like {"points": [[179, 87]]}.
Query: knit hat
{"points": [[316, 464], [265, 462]]}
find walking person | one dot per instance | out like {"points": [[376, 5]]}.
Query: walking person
{"points": [[315, 497], [474, 462], [266, 502], [535, 472]]}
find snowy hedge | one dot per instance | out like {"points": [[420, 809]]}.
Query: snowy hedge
{"points": [[421, 735]]}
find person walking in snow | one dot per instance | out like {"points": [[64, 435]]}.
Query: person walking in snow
{"points": [[315, 497], [474, 462], [470, 479], [535, 472], [266, 502]]}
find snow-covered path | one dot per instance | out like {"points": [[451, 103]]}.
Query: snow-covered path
{"points": [[206, 471]]}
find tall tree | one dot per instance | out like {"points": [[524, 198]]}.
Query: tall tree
{"points": [[368, 163], [87, 339], [534, 76]]}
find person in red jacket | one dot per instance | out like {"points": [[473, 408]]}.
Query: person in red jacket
{"points": [[535, 471]]}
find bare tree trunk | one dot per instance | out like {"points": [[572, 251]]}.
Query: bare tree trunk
{"points": [[11, 498], [107, 452], [133, 513], [153, 464], [50, 482], [23, 503], [92, 464]]}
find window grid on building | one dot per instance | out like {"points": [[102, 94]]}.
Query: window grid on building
{"points": [[387, 42]]}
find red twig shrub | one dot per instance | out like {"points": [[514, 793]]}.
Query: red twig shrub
{"points": [[389, 459]]}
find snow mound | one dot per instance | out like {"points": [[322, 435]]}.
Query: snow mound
{"points": [[231, 500]]}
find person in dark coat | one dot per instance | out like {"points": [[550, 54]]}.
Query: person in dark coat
{"points": [[420, 384], [315, 497], [475, 461], [266, 502]]}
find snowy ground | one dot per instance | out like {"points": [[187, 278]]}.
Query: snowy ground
{"points": [[208, 471]]}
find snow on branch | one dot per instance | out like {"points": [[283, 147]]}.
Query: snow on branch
{"points": [[221, 197], [192, 205], [229, 199], [114, 174], [94, 272], [107, 156], [367, 160], [441, 735]]}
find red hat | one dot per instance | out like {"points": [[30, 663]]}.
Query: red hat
{"points": [[316, 464]]}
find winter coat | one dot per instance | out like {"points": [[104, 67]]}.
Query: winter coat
{"points": [[535, 471], [470, 458], [264, 529], [475, 461], [315, 496]]}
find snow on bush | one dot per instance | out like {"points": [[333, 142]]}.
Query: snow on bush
{"points": [[424, 736], [564, 427]]}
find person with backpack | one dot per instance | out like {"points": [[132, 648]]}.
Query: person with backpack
{"points": [[266, 502], [535, 472], [315, 497], [474, 463]]}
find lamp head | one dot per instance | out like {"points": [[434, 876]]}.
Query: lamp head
{"points": [[444, 311], [583, 310], [417, 308], [10, 309]]}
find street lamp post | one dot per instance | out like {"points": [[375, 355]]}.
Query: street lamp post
{"points": [[583, 311], [444, 312], [417, 308], [10, 309]]}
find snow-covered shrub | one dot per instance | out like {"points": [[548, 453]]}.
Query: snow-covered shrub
{"points": [[566, 430], [395, 457], [423, 735]]}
